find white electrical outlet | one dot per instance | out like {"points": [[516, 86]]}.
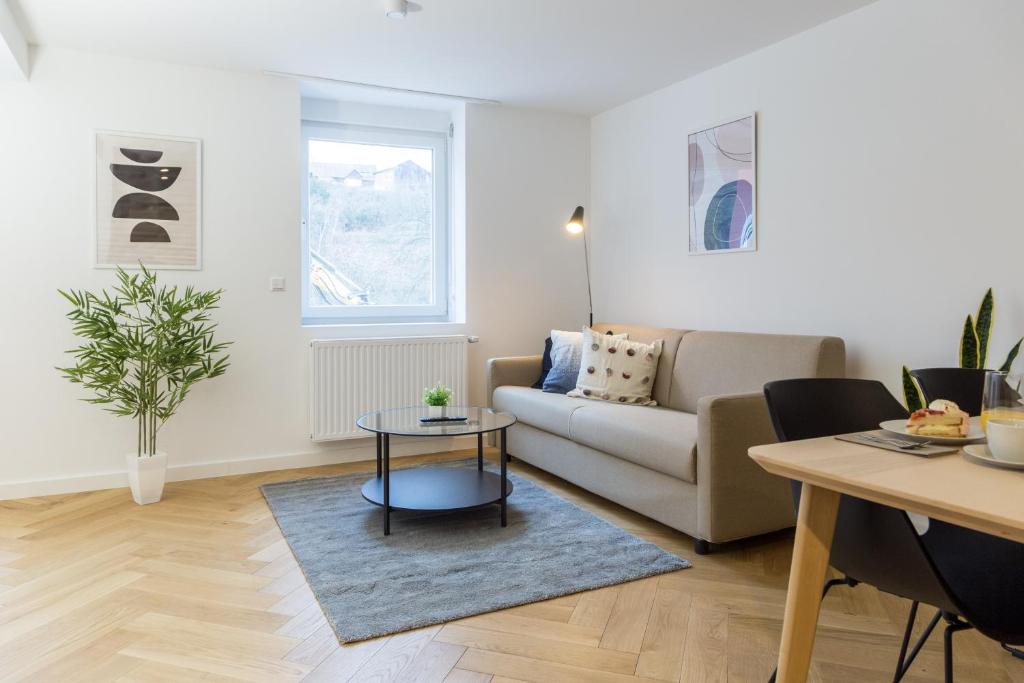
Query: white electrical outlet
{"points": [[277, 284]]}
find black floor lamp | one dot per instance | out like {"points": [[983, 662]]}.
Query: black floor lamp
{"points": [[575, 227]]}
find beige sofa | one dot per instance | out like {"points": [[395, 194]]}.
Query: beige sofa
{"points": [[683, 463]]}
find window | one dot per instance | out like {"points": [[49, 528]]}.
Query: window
{"points": [[375, 225]]}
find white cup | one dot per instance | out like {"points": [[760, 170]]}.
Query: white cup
{"points": [[1006, 439]]}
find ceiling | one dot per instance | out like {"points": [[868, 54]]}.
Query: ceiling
{"points": [[582, 56]]}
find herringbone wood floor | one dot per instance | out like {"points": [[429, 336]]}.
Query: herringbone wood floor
{"points": [[203, 587]]}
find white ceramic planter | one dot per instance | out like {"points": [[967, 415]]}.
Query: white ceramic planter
{"points": [[146, 476], [437, 411]]}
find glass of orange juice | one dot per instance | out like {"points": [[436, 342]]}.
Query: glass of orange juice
{"points": [[1002, 397]]}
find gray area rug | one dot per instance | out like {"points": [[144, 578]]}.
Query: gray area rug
{"points": [[437, 568]]}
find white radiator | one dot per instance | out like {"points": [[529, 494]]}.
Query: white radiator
{"points": [[350, 377]]}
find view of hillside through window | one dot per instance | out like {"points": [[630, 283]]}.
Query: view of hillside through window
{"points": [[370, 224]]}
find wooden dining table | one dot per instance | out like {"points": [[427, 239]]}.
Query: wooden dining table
{"points": [[946, 487]]}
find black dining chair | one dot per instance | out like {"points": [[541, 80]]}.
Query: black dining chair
{"points": [[873, 543], [982, 574], [962, 386]]}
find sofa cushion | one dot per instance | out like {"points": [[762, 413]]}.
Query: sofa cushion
{"points": [[670, 338], [660, 439], [715, 363], [616, 370], [545, 365], [537, 408]]}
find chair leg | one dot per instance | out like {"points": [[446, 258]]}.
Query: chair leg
{"points": [[845, 581], [953, 624], [831, 583], [947, 654], [901, 661], [1016, 652], [904, 661]]}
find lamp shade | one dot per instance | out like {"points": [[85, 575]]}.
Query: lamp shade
{"points": [[575, 224]]}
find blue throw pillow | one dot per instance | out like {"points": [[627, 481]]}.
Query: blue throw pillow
{"points": [[566, 355]]}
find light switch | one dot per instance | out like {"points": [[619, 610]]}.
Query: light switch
{"points": [[277, 284]]}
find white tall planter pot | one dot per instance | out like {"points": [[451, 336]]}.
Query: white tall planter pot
{"points": [[146, 476]]}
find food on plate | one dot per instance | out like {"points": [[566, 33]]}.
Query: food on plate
{"points": [[940, 418]]}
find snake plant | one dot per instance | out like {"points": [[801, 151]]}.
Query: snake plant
{"points": [[973, 349]]}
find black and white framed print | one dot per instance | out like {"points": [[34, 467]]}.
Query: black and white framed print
{"points": [[148, 201]]}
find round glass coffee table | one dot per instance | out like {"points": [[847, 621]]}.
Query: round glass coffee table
{"points": [[437, 489]]}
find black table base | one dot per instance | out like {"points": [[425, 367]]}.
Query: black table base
{"points": [[438, 489]]}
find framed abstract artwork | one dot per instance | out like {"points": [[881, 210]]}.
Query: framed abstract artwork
{"points": [[723, 187], [148, 202]]}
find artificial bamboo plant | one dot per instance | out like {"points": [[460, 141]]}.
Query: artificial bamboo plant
{"points": [[145, 347], [973, 349]]}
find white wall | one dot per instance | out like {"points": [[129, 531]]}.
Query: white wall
{"points": [[526, 172], [889, 170], [525, 169]]}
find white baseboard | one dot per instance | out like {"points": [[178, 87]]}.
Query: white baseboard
{"points": [[49, 487], [222, 468]]}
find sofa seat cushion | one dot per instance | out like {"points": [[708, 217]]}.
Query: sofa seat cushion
{"points": [[537, 408], [660, 439]]}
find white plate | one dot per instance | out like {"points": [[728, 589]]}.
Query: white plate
{"points": [[981, 454], [974, 433]]}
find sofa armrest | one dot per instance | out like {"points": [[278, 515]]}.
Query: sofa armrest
{"points": [[736, 498], [517, 371]]}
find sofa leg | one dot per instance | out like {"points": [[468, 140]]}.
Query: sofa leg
{"points": [[701, 547]]}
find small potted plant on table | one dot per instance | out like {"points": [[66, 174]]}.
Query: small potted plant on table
{"points": [[145, 347], [437, 398]]}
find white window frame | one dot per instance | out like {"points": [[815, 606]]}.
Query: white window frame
{"points": [[440, 310]]}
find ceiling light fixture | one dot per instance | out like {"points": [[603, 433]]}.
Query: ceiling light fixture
{"points": [[396, 9]]}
